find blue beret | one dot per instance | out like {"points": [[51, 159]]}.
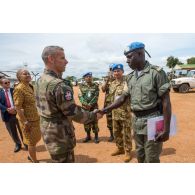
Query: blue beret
{"points": [[111, 65], [134, 46], [117, 66], [87, 74]]}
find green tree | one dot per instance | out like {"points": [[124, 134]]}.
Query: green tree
{"points": [[172, 61], [191, 60]]}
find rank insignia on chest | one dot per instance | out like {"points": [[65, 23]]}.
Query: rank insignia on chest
{"points": [[68, 95]]}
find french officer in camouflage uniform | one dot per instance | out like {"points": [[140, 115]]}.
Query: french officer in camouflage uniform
{"points": [[57, 107], [105, 88], [148, 89], [121, 117], [88, 96]]}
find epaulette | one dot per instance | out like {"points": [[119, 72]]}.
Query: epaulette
{"points": [[157, 68]]}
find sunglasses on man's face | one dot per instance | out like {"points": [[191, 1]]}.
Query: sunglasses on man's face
{"points": [[7, 83]]}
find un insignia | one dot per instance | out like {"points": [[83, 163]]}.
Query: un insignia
{"points": [[68, 95]]}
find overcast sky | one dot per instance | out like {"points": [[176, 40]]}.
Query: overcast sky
{"points": [[90, 52]]}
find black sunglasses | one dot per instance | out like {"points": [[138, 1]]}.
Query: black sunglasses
{"points": [[7, 83]]}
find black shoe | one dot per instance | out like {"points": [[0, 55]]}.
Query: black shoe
{"points": [[111, 138], [86, 139], [25, 147], [17, 148], [29, 158], [96, 141]]}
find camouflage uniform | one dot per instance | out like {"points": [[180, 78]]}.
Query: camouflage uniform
{"points": [[107, 102], [121, 118], [57, 109], [88, 96], [145, 92]]}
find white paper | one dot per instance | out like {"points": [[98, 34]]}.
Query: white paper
{"points": [[151, 126]]}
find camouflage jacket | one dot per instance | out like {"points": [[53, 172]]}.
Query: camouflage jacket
{"points": [[116, 89], [57, 109], [88, 94], [105, 88]]}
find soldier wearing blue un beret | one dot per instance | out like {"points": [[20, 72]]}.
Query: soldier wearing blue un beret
{"points": [[87, 74], [88, 96], [107, 101], [148, 91], [117, 66]]}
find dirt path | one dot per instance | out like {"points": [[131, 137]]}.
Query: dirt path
{"points": [[180, 148]]}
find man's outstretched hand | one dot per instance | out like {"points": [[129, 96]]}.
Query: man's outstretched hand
{"points": [[99, 113]]}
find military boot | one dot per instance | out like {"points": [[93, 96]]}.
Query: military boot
{"points": [[88, 138], [128, 157], [118, 152], [96, 139], [111, 138]]}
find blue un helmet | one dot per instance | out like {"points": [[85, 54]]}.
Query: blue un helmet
{"points": [[117, 66], [135, 46]]}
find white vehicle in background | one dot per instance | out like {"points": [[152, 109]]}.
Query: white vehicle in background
{"points": [[184, 84]]}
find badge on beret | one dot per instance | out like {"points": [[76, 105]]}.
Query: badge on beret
{"points": [[68, 95]]}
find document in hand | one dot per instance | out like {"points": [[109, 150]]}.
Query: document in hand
{"points": [[155, 125]]}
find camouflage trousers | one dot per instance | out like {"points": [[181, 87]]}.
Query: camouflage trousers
{"points": [[67, 157], [122, 135], [109, 121], [93, 126], [108, 117]]}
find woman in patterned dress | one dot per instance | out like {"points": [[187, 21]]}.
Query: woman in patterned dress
{"points": [[27, 113]]}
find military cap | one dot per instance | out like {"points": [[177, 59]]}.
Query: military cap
{"points": [[134, 46], [87, 74], [117, 66]]}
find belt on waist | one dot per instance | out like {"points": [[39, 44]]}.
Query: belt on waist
{"points": [[145, 112], [53, 119]]}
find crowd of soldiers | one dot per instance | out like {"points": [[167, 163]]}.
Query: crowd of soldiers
{"points": [[129, 102]]}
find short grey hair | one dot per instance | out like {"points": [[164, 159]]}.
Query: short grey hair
{"points": [[50, 50]]}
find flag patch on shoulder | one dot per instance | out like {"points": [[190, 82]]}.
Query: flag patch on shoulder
{"points": [[68, 95]]}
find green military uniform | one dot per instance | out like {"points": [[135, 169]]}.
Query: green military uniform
{"points": [[145, 92], [88, 97], [121, 118], [57, 109]]}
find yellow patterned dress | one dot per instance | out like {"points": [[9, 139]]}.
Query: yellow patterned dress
{"points": [[24, 99]]}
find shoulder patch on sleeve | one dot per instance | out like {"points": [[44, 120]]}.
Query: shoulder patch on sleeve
{"points": [[68, 95]]}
